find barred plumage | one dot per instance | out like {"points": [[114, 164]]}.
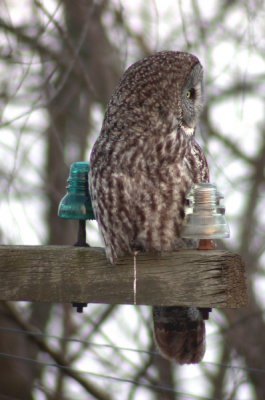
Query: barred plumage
{"points": [[142, 164]]}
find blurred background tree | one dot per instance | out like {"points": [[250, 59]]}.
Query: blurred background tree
{"points": [[59, 62]]}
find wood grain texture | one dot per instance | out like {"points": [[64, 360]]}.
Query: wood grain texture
{"points": [[212, 278]]}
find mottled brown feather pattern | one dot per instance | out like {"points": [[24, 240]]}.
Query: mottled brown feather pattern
{"points": [[142, 164]]}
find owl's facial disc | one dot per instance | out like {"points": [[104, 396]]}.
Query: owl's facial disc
{"points": [[191, 99]]}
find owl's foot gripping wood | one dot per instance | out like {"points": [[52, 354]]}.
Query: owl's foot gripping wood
{"points": [[179, 333]]}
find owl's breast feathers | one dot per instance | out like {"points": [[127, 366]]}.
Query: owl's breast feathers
{"points": [[138, 187]]}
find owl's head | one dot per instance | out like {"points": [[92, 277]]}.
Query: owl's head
{"points": [[156, 94]]}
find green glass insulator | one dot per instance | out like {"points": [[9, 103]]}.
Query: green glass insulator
{"points": [[76, 204]]}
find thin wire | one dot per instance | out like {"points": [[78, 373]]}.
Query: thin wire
{"points": [[248, 369], [113, 378], [43, 335]]}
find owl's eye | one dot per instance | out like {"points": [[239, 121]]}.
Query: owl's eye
{"points": [[190, 94]]}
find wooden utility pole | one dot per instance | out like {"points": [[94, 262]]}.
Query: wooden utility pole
{"points": [[210, 278]]}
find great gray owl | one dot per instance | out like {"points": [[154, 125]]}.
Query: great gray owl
{"points": [[142, 164]]}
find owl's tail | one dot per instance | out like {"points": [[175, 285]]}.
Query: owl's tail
{"points": [[180, 333]]}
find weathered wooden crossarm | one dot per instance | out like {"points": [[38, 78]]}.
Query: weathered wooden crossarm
{"points": [[199, 278]]}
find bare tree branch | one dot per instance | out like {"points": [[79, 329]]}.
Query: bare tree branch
{"points": [[57, 357]]}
